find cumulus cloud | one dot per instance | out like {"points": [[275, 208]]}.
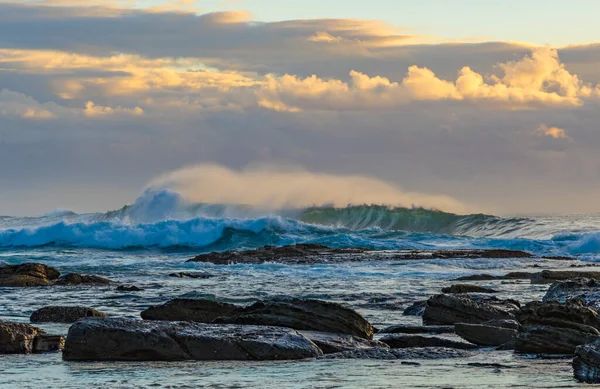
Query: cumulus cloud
{"points": [[273, 187]]}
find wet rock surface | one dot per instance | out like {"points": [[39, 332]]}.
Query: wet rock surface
{"points": [[27, 275], [467, 288], [21, 338], [586, 363], [314, 253], [128, 288], [193, 275], [489, 277], [446, 309], [58, 314], [416, 309], [583, 289], [550, 276], [202, 311], [334, 343], [489, 334], [406, 353], [135, 340], [74, 279], [410, 329], [415, 341], [302, 314]]}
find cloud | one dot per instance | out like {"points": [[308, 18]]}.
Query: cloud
{"points": [[271, 187], [551, 139]]}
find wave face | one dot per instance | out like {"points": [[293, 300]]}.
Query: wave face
{"points": [[162, 219]]}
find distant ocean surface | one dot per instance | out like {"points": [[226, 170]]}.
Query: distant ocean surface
{"points": [[143, 243]]}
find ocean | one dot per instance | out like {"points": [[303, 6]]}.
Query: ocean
{"points": [[143, 243]]}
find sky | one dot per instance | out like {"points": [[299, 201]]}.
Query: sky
{"points": [[465, 106]]}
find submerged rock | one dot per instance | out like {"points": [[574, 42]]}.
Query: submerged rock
{"points": [[315, 253], [467, 288], [489, 277], [555, 328], [416, 309], [444, 309], [194, 275], [334, 343], [28, 274], [586, 364], [490, 334], [584, 289], [398, 353], [73, 279], [21, 338], [550, 276], [56, 314], [120, 339], [128, 288], [301, 314], [202, 311], [408, 329], [412, 341]]}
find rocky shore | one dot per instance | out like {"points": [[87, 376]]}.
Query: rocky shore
{"points": [[462, 319]]}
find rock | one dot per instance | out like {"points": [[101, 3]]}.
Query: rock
{"points": [[555, 328], [56, 314], [467, 288], [489, 277], [445, 309], [196, 275], [416, 309], [202, 311], [314, 253], [301, 314], [398, 353], [550, 276], [334, 343], [44, 343], [487, 335], [21, 338], [28, 274], [128, 288], [119, 339], [408, 329], [73, 279], [586, 363], [412, 341], [584, 289]]}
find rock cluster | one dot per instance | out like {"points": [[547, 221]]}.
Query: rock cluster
{"points": [[36, 274]]}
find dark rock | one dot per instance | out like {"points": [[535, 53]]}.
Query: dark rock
{"points": [[467, 288], [586, 364], [195, 275], [21, 338], [412, 341], [56, 314], [120, 339], [488, 277], [28, 274], [301, 314], [408, 329], [334, 343], [584, 289], [314, 253], [128, 288], [550, 276], [486, 335], [416, 309], [202, 311], [406, 353], [73, 279], [445, 309], [555, 328]]}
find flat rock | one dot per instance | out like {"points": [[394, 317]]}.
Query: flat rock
{"points": [[302, 314], [21, 338], [28, 274], [446, 309], [119, 339], [406, 353], [489, 277], [408, 329], [467, 288], [584, 289], [73, 279], [128, 288], [412, 341], [550, 276], [485, 334], [57, 314], [314, 253], [334, 343], [202, 311], [193, 275], [586, 363]]}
